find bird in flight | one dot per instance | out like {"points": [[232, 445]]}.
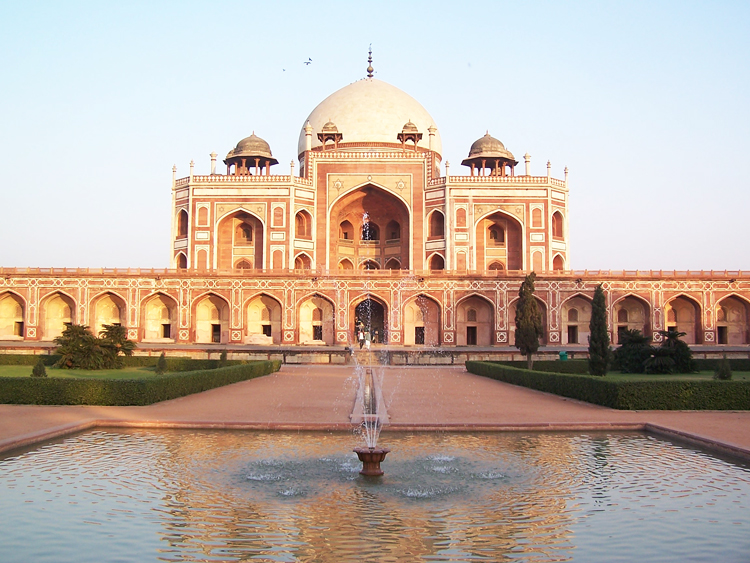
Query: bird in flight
{"points": [[308, 61]]}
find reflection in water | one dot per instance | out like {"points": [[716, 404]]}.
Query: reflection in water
{"points": [[229, 496]]}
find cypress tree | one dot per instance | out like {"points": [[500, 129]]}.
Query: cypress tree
{"points": [[161, 364], [40, 371], [528, 320], [599, 352]]}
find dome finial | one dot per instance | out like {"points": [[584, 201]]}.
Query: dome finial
{"points": [[370, 70]]}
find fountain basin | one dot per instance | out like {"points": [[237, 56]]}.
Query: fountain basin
{"points": [[371, 458]]}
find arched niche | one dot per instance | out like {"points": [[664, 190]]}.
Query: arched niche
{"points": [[369, 265], [362, 223], [160, 318], [499, 238], [631, 313], [107, 309], [263, 321], [240, 236], [370, 314], [182, 223], [11, 316], [316, 321], [181, 261], [436, 226], [436, 262], [421, 322], [557, 225], [57, 310], [732, 314], [575, 317], [303, 225], [558, 264], [302, 262], [211, 319], [684, 315], [475, 321], [346, 264], [393, 264]]}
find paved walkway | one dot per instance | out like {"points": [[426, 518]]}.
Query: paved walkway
{"points": [[417, 398]]}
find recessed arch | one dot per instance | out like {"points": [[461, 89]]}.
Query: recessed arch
{"points": [[575, 317], [302, 261], [182, 223], [181, 261], [507, 247], [159, 312], [436, 225], [211, 314], [315, 319], [12, 314], [558, 263], [263, 314], [631, 312], [243, 264], [557, 225], [369, 265], [421, 321], [475, 321], [107, 308], [369, 312], [732, 320], [496, 265], [303, 225], [683, 313], [393, 264], [240, 234], [346, 264], [56, 310], [436, 262]]}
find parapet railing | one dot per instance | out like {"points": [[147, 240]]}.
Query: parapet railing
{"points": [[241, 179], [730, 275], [497, 180]]}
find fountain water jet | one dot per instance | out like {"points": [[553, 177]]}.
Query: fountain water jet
{"points": [[371, 419]]}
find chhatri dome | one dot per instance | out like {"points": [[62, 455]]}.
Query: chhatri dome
{"points": [[370, 111]]}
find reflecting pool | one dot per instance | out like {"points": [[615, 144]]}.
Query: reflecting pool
{"points": [[179, 495]]}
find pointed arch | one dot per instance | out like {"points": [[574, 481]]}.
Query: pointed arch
{"points": [[421, 316], [107, 308], [182, 223], [159, 314], [393, 264], [437, 262], [56, 310], [12, 315], [315, 319], [732, 320], [475, 321], [436, 222], [369, 265], [302, 261], [239, 233], [510, 249], [575, 317], [630, 312], [346, 264], [303, 225], [181, 261], [557, 225], [211, 314], [684, 314], [558, 263], [263, 314]]}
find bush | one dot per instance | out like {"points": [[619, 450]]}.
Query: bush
{"points": [[723, 370], [122, 392], [39, 370], [628, 395], [161, 364], [79, 348], [223, 359], [633, 352]]}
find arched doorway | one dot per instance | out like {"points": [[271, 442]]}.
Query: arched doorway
{"points": [[684, 315], [732, 321], [422, 322], [499, 238], [263, 324], [57, 311], [160, 318], [474, 322], [11, 317], [316, 318], [369, 315], [108, 309], [631, 313], [575, 319], [211, 320], [240, 238]]}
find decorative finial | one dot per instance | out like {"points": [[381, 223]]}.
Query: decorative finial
{"points": [[370, 70]]}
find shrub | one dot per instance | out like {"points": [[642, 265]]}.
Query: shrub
{"points": [[633, 352], [136, 392], [679, 351], [161, 364], [39, 369], [723, 370], [79, 348], [223, 359]]}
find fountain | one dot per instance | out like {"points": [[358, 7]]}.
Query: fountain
{"points": [[369, 398]]}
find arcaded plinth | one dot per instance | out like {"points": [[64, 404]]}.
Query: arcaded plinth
{"points": [[371, 458]]}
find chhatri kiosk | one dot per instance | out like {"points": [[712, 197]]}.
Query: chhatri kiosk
{"points": [[368, 222]]}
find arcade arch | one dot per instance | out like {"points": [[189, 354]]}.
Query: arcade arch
{"points": [[107, 309], [263, 321], [316, 321], [160, 314], [239, 237], [684, 315], [11, 317], [57, 310], [370, 314], [474, 322], [630, 313], [211, 319], [421, 322], [575, 319], [732, 314], [303, 225]]}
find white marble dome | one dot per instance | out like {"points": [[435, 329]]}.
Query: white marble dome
{"points": [[370, 110]]}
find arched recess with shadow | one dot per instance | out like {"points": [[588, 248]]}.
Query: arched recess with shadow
{"points": [[499, 238], [181, 261], [12, 310], [475, 321], [315, 318], [558, 263], [363, 223], [107, 309], [422, 321], [263, 320], [211, 313], [302, 261], [631, 313], [303, 225], [732, 314], [371, 312], [575, 317], [683, 314], [436, 262], [346, 264], [239, 235], [56, 310], [160, 318]]}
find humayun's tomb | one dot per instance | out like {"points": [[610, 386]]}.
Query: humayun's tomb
{"points": [[368, 219]]}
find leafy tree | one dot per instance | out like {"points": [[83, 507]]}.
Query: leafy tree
{"points": [[633, 352], [79, 348], [223, 359], [161, 364], [661, 361], [528, 320], [39, 369], [679, 351], [723, 369], [600, 354]]}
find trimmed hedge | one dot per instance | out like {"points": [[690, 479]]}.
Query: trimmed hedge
{"points": [[126, 392], [175, 363], [625, 395], [555, 366]]}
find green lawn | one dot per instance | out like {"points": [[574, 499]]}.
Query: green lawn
{"points": [[124, 373]]}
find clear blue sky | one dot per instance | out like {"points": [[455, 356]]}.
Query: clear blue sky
{"points": [[647, 103]]}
